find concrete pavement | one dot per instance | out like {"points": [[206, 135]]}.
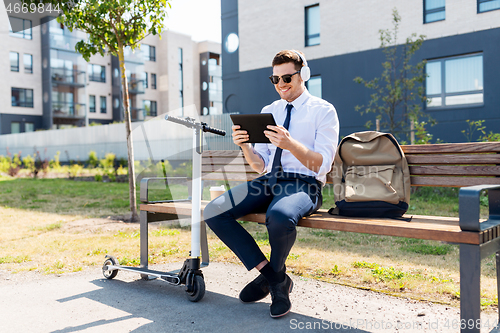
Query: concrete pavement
{"points": [[86, 302]]}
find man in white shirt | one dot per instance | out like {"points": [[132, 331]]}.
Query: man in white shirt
{"points": [[297, 160]]}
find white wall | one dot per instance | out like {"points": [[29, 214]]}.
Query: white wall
{"points": [[166, 140]]}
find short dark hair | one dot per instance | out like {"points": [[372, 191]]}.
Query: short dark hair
{"points": [[286, 56]]}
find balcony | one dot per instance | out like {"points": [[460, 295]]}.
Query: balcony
{"points": [[136, 56], [68, 110], [68, 77], [63, 42], [214, 70], [136, 114], [136, 86]]}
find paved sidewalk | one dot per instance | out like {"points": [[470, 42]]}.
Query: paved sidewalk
{"points": [[85, 301]]}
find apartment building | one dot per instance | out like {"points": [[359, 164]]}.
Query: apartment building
{"points": [[47, 85], [341, 41]]}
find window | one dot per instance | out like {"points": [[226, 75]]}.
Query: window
{"points": [[487, 5], [153, 81], [314, 86], [145, 79], [14, 61], [455, 81], [20, 28], [103, 104], [434, 10], [92, 103], [150, 108], [29, 127], [28, 63], [22, 97], [149, 52], [15, 127], [181, 81], [97, 73], [312, 27]]}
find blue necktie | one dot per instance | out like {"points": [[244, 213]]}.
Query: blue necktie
{"points": [[277, 168]]}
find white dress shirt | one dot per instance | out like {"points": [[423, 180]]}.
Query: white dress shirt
{"points": [[314, 123]]}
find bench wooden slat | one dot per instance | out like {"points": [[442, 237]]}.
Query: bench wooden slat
{"points": [[223, 160], [459, 170], [422, 227], [230, 176], [449, 148], [453, 159], [415, 180], [227, 168], [222, 153], [453, 181]]}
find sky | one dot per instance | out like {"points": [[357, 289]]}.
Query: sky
{"points": [[198, 18]]}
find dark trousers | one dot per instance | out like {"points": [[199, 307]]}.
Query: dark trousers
{"points": [[290, 199]]}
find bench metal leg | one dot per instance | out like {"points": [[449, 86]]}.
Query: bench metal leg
{"points": [[144, 238], [470, 287]]}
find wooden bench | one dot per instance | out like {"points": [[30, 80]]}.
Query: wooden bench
{"points": [[471, 166]]}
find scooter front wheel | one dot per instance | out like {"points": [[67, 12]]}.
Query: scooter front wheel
{"points": [[110, 261], [198, 289]]}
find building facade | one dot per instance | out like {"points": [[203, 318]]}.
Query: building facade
{"points": [[341, 41], [47, 85]]}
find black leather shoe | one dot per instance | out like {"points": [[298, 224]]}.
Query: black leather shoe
{"points": [[255, 290], [281, 304]]}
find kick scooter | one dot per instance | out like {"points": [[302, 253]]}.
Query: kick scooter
{"points": [[190, 274]]}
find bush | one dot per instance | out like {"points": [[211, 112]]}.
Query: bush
{"points": [[55, 164], [4, 164], [75, 170], [108, 161], [93, 160], [29, 163], [15, 165]]}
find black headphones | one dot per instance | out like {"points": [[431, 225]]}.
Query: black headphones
{"points": [[305, 71]]}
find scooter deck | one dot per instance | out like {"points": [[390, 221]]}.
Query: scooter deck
{"points": [[170, 277]]}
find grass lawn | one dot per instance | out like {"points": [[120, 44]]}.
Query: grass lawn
{"points": [[43, 229]]}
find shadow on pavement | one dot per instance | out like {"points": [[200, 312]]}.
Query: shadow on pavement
{"points": [[168, 310]]}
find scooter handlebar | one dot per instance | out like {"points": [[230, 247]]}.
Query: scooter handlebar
{"points": [[192, 124], [214, 130], [180, 121]]}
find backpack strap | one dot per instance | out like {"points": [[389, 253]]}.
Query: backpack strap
{"points": [[334, 211]]}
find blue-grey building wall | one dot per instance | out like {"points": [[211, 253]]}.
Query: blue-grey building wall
{"points": [[6, 119], [338, 86]]}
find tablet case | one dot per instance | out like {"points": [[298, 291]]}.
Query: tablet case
{"points": [[255, 125]]}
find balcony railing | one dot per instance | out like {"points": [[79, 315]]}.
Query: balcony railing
{"points": [[137, 114], [68, 109], [63, 42], [215, 70], [136, 86], [68, 77], [136, 56]]}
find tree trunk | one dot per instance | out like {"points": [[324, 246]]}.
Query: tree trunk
{"points": [[130, 149]]}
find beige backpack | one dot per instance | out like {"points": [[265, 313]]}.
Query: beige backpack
{"points": [[370, 176]]}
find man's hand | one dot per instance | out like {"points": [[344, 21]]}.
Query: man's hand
{"points": [[240, 137], [279, 136]]}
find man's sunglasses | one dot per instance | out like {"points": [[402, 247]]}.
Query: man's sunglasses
{"points": [[287, 78]]}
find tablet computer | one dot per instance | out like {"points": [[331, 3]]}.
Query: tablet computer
{"points": [[255, 125]]}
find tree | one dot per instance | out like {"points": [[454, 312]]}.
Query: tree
{"points": [[111, 26], [399, 92]]}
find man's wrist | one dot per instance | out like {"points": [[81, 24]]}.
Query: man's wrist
{"points": [[246, 146]]}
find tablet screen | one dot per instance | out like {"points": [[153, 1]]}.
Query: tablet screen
{"points": [[255, 125]]}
